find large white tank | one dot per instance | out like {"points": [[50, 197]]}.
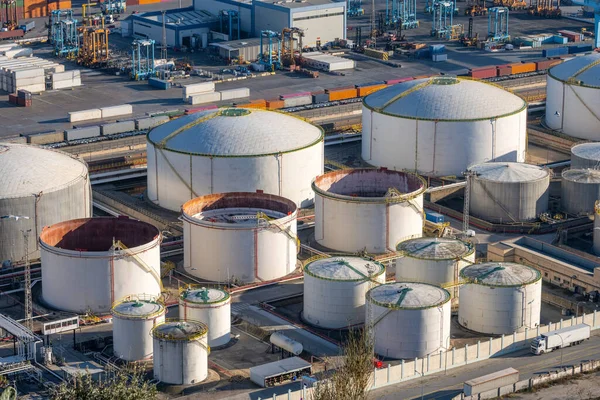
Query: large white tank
{"points": [[335, 288], [367, 209], [506, 192], [211, 306], [241, 237], [88, 264], [580, 188], [585, 155], [133, 319], [434, 260], [573, 97], [500, 298], [233, 150], [409, 319], [596, 246], [47, 186], [180, 352], [440, 126]]}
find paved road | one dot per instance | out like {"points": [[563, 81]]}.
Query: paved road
{"points": [[441, 386]]}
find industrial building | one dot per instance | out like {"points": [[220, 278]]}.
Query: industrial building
{"points": [[507, 192], [437, 261], [500, 298], [244, 49], [323, 21], [367, 209], [38, 187], [100, 260], [133, 320], [440, 126], [184, 27], [409, 319], [211, 306], [585, 155], [335, 288], [233, 150], [260, 227], [572, 97], [579, 191]]}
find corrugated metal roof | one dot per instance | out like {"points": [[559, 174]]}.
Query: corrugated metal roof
{"points": [[568, 69], [445, 98], [509, 172], [589, 151], [137, 308], [435, 248], [582, 175], [405, 295], [256, 133], [344, 268], [205, 295], [501, 274], [27, 170]]}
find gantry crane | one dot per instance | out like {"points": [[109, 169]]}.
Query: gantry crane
{"points": [[142, 59], [498, 24], [291, 42], [475, 8], [354, 8], [595, 5], [230, 22], [94, 51], [63, 33], [403, 12], [11, 17], [544, 8], [443, 12], [270, 49], [512, 5]]}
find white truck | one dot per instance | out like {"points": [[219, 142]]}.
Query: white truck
{"points": [[559, 338]]}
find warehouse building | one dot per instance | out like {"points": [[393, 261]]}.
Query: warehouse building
{"points": [[242, 7], [247, 49]]}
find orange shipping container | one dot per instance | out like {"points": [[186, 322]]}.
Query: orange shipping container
{"points": [[521, 68], [342, 94], [35, 8], [366, 90], [275, 104], [141, 2]]}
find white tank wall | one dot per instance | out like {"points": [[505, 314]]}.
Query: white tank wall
{"points": [[216, 316], [131, 337], [352, 226], [578, 198], [288, 175], [407, 334], [76, 281], [441, 148], [500, 310], [568, 109], [180, 362], [596, 246], [332, 304], [218, 254]]}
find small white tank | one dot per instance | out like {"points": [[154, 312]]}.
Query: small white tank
{"points": [[133, 319], [180, 352], [500, 298], [285, 343], [335, 288], [211, 306], [409, 319]]}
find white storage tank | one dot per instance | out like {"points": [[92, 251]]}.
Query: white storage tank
{"points": [[211, 306], [233, 150], [500, 298], [133, 319], [367, 209], [88, 264], [434, 260], [507, 192], [596, 246], [409, 319], [440, 126], [47, 186], [239, 237], [585, 155], [573, 97], [335, 288], [180, 352], [580, 188]]}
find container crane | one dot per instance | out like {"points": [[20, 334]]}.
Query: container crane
{"points": [[142, 59], [403, 11], [475, 8], [595, 5], [11, 20], [228, 20], [291, 42], [354, 8], [443, 12], [270, 49], [498, 24], [544, 8]]}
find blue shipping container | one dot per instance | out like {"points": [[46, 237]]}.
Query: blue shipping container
{"points": [[159, 83], [580, 48], [437, 48], [434, 217]]}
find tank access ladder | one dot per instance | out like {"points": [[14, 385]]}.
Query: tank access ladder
{"points": [[118, 245]]}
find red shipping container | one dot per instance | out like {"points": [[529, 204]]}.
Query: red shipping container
{"points": [[482, 73], [504, 70], [12, 99]]}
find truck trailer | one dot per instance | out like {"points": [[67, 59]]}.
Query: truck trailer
{"points": [[491, 381], [560, 338]]}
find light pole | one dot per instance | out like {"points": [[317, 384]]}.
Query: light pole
{"points": [[577, 308], [422, 383]]}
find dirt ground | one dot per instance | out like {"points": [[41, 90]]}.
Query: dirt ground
{"points": [[584, 388]]}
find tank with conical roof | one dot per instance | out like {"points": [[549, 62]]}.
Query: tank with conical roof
{"points": [[335, 288], [180, 352], [409, 319], [233, 150], [572, 97], [500, 298], [211, 306], [585, 155], [580, 188], [133, 319], [437, 261], [45, 186], [507, 192], [439, 126]]}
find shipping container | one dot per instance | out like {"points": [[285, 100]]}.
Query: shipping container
{"points": [[46, 137], [159, 83], [116, 111], [277, 104], [82, 133], [85, 115], [439, 57], [504, 70], [580, 48], [117, 127], [197, 88], [342, 94], [14, 34], [320, 98], [437, 49], [298, 94], [28, 26], [522, 68], [483, 73], [297, 101], [233, 94], [12, 99], [366, 90], [148, 123], [434, 217], [24, 94], [491, 381], [203, 98]]}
